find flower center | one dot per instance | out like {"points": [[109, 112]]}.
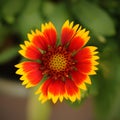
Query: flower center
{"points": [[58, 62]]}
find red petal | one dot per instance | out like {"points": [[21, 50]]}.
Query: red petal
{"points": [[32, 53], [34, 76], [29, 66], [76, 43], [84, 67], [45, 86], [50, 33], [86, 59], [57, 87], [79, 40], [70, 87], [78, 77], [83, 54], [40, 41], [67, 34]]}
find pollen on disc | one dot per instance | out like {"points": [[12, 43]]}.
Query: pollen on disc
{"points": [[58, 62]]}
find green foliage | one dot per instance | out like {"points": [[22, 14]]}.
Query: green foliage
{"points": [[30, 17], [3, 32], [107, 99], [8, 54], [51, 9], [93, 17], [10, 9]]}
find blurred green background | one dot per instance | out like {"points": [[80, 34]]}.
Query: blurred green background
{"points": [[101, 17]]}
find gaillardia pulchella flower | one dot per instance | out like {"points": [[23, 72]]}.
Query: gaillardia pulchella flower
{"points": [[66, 65]]}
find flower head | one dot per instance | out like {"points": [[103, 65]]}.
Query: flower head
{"points": [[65, 65]]}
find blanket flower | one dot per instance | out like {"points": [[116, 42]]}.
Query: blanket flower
{"points": [[61, 66]]}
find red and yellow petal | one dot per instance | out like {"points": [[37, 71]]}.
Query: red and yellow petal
{"points": [[88, 52], [68, 32], [30, 51], [52, 89], [56, 90], [31, 78], [31, 73], [79, 40], [78, 78], [27, 66], [39, 40], [83, 84], [86, 67], [49, 32], [86, 60], [72, 91], [43, 90]]}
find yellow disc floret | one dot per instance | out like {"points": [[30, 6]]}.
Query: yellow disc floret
{"points": [[58, 62]]}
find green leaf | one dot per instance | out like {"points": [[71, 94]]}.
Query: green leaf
{"points": [[108, 97], [8, 54], [3, 32], [93, 17], [10, 9], [56, 13], [30, 17]]}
